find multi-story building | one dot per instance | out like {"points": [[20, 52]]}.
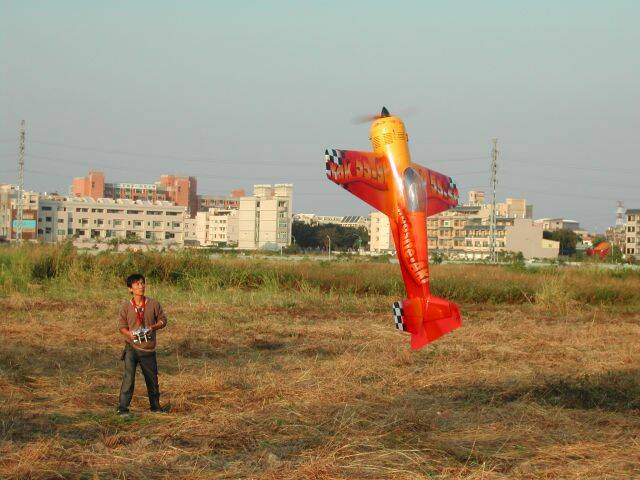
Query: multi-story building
{"points": [[514, 208], [213, 228], [476, 198], [9, 213], [463, 232], [617, 236], [632, 232], [265, 218], [380, 236], [220, 202], [511, 207], [105, 218], [181, 191], [554, 224]]}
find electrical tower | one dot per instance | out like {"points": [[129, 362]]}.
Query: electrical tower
{"points": [[493, 254], [620, 215], [20, 202]]}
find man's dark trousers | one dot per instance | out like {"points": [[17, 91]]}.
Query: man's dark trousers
{"points": [[149, 367]]}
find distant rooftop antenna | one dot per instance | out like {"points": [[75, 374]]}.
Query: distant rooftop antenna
{"points": [[620, 214], [493, 254], [20, 202]]}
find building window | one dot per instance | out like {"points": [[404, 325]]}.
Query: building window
{"points": [[46, 209]]}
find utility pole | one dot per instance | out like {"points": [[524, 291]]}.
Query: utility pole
{"points": [[493, 254], [20, 202]]}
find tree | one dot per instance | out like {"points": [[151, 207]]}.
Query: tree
{"points": [[342, 238], [567, 238]]}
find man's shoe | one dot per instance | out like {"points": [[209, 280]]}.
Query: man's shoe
{"points": [[123, 412], [159, 409]]}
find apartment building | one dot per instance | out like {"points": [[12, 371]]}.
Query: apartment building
{"points": [[464, 232], [103, 219], [511, 207], [554, 224], [380, 235], [514, 208], [217, 227], [617, 236], [265, 218], [179, 190], [632, 232], [220, 202], [9, 213]]}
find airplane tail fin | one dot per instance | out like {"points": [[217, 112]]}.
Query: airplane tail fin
{"points": [[426, 324]]}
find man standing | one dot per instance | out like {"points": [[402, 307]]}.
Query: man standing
{"points": [[140, 318]]}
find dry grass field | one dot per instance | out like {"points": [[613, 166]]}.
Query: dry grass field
{"points": [[278, 371]]}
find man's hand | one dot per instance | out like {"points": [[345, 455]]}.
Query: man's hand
{"points": [[158, 326], [127, 333]]}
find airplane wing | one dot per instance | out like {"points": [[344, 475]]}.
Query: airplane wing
{"points": [[364, 174], [442, 192]]}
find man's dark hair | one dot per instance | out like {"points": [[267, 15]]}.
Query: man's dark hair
{"points": [[131, 279]]}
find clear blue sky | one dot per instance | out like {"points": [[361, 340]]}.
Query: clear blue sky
{"points": [[238, 93]]}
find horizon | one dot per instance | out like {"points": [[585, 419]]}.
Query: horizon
{"points": [[237, 95]]}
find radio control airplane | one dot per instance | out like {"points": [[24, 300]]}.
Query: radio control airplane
{"points": [[407, 193]]}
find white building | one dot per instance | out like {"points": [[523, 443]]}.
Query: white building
{"points": [[9, 212], [381, 237], [463, 232], [526, 237], [103, 219], [265, 218], [632, 234], [213, 228], [554, 224]]}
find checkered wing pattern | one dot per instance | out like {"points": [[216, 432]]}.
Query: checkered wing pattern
{"points": [[333, 156], [398, 315]]}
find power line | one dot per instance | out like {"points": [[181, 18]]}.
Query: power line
{"points": [[535, 163]]}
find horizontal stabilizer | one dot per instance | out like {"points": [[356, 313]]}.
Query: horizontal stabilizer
{"points": [[440, 317]]}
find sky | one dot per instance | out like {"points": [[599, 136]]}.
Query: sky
{"points": [[239, 93]]}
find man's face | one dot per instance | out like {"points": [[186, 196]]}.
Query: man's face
{"points": [[137, 288]]}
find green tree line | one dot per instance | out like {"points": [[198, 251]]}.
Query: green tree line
{"points": [[342, 238]]}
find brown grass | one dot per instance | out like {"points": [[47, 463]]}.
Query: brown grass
{"points": [[313, 383]]}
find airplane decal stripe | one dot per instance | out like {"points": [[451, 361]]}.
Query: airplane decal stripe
{"points": [[398, 315]]}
